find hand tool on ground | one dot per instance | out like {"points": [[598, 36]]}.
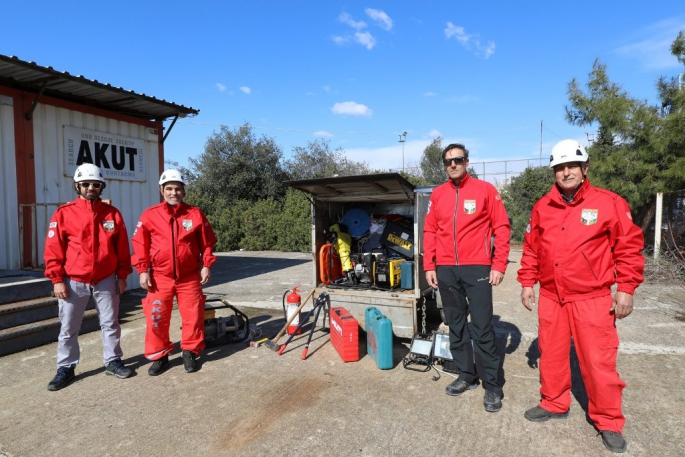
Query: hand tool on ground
{"points": [[319, 303], [311, 332], [271, 344]]}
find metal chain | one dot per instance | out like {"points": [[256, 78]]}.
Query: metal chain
{"points": [[423, 316]]}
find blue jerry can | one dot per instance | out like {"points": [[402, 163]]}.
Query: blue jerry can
{"points": [[378, 337]]}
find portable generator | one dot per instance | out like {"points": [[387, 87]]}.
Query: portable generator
{"points": [[387, 273], [234, 328]]}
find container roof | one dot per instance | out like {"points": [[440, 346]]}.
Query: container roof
{"points": [[31, 77], [376, 187]]}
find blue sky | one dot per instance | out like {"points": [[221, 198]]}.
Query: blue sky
{"points": [[357, 73]]}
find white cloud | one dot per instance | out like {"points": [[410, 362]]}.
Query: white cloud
{"points": [[654, 49], [434, 133], [221, 87], [339, 40], [323, 134], [351, 109], [469, 41], [365, 39], [347, 19], [430, 94], [245, 90], [379, 16]]}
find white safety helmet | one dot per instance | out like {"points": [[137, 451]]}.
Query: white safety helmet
{"points": [[88, 172], [567, 151], [171, 175]]}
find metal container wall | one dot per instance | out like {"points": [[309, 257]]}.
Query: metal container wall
{"points": [[9, 229], [54, 185]]}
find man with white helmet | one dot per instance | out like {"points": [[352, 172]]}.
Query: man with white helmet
{"points": [[87, 252], [172, 252], [581, 240]]}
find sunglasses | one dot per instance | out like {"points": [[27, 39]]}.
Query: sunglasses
{"points": [[456, 160], [94, 185]]}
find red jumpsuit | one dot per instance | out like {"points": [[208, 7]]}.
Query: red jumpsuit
{"points": [[577, 251], [174, 243]]}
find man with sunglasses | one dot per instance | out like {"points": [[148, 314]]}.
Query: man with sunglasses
{"points": [[580, 241], [463, 215], [172, 252], [87, 253]]}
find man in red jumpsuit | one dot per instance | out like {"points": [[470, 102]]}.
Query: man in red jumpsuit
{"points": [[172, 252], [581, 240], [87, 252], [463, 215]]}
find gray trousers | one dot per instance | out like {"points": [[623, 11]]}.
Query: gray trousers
{"points": [[71, 313]]}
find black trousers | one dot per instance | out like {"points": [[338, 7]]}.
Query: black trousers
{"points": [[465, 290]]}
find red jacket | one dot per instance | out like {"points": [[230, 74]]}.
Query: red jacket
{"points": [[460, 223], [87, 242], [579, 250], [175, 241]]}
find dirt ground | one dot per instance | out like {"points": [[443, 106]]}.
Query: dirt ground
{"points": [[251, 402]]}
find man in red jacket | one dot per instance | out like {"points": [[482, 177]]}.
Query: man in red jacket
{"points": [[172, 252], [87, 251], [463, 215], [580, 241]]}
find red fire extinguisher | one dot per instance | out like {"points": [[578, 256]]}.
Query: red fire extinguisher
{"points": [[293, 302]]}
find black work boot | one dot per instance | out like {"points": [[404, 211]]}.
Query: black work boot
{"points": [[492, 401], [189, 362], [158, 366], [613, 441], [117, 368], [63, 377], [459, 386], [539, 414]]}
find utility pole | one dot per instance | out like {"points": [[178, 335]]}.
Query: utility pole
{"points": [[540, 143], [403, 138]]}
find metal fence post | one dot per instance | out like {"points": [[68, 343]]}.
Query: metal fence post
{"points": [[657, 224]]}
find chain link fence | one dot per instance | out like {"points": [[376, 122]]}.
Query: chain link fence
{"points": [[496, 172]]}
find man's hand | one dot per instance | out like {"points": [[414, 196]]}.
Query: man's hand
{"points": [[121, 286], [622, 305], [145, 281], [528, 298], [496, 277], [60, 290], [432, 279], [205, 275]]}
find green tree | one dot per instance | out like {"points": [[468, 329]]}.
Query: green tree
{"points": [[317, 160], [520, 195], [236, 165], [640, 147], [432, 168]]}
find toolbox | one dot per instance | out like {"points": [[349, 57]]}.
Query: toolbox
{"points": [[378, 337], [345, 334], [407, 275], [399, 238]]}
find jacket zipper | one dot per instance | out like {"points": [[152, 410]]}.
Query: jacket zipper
{"points": [[96, 244], [454, 226], [173, 246]]}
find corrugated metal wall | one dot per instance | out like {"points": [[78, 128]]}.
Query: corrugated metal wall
{"points": [[9, 227], [53, 185]]}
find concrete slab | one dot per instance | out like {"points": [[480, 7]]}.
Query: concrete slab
{"points": [[251, 402]]}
